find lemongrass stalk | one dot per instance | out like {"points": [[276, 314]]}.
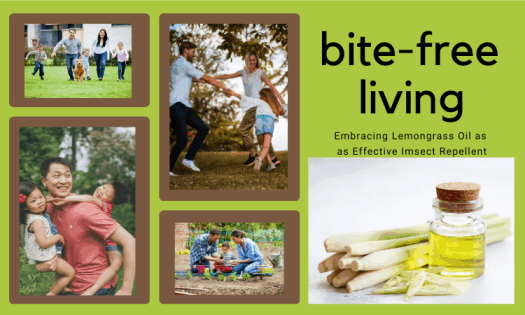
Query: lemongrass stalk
{"points": [[370, 247], [368, 279], [389, 257], [424, 290], [329, 263], [416, 284], [343, 277], [346, 261], [496, 222], [332, 275], [337, 243], [496, 237]]}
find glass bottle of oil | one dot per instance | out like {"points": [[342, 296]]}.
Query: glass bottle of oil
{"points": [[457, 234]]}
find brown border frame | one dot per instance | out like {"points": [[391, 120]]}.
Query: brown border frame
{"points": [[140, 33], [142, 216], [292, 194], [167, 255]]}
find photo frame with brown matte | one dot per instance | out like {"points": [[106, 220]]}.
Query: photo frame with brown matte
{"points": [[167, 255], [292, 193], [142, 203], [140, 33]]}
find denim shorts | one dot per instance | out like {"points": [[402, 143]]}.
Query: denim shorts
{"points": [[112, 247], [264, 124]]}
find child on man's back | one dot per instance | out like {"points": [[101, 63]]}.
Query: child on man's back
{"points": [[106, 197]]}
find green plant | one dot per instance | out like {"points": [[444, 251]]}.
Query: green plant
{"points": [[207, 274], [189, 275], [222, 278], [234, 277], [245, 276], [176, 276]]}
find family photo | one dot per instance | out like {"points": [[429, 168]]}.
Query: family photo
{"points": [[77, 211], [229, 258], [77, 61], [228, 107]]}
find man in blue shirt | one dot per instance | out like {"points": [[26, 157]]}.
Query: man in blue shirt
{"points": [[204, 250], [73, 50], [182, 74]]}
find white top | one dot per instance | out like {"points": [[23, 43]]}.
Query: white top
{"points": [[35, 252], [263, 108], [252, 82], [181, 74], [98, 49], [122, 55]]}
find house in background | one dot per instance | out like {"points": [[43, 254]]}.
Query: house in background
{"points": [[51, 34]]}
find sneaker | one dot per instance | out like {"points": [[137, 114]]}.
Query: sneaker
{"points": [[41, 78], [250, 160], [258, 165], [173, 174], [271, 167], [71, 80], [123, 78], [100, 79], [34, 73], [118, 80], [89, 78], [191, 165], [276, 161]]}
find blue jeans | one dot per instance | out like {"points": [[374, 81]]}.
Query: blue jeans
{"points": [[121, 69], [207, 264], [39, 67], [250, 267], [101, 59], [181, 115], [111, 291], [71, 60]]}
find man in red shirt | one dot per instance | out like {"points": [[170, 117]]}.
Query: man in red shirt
{"points": [[85, 228]]}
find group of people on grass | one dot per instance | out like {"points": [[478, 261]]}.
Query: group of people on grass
{"points": [[205, 250], [74, 236], [261, 107], [100, 50]]}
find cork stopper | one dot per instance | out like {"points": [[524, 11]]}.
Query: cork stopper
{"points": [[458, 191]]}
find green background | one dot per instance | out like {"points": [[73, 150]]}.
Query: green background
{"points": [[329, 102]]}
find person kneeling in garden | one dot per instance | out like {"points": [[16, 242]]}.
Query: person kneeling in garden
{"points": [[249, 254], [204, 250]]}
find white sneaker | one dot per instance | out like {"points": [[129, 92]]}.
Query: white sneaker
{"points": [[191, 165], [173, 174], [258, 165], [271, 167]]}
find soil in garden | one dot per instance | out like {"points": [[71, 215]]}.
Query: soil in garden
{"points": [[272, 285]]}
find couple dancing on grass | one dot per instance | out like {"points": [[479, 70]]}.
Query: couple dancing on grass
{"points": [[261, 107]]}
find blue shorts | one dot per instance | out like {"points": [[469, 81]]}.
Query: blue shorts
{"points": [[112, 247], [264, 124]]}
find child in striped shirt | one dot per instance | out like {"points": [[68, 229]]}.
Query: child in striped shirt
{"points": [[122, 56]]}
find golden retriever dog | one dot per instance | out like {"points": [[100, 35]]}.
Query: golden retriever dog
{"points": [[79, 71]]}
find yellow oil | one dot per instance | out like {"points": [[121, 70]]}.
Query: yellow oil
{"points": [[458, 256]]}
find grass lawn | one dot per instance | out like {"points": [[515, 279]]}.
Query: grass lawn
{"points": [[56, 84], [33, 282], [225, 171]]}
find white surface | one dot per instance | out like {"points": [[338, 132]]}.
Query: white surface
{"points": [[353, 195]]}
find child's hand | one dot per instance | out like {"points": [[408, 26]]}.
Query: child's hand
{"points": [[61, 240], [27, 59], [59, 201]]}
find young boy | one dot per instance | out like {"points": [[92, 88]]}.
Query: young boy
{"points": [[227, 256], [86, 63], [40, 56]]}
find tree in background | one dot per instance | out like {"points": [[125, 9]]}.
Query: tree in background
{"points": [[216, 44]]}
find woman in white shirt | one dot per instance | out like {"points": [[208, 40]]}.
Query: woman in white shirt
{"points": [[101, 50]]}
